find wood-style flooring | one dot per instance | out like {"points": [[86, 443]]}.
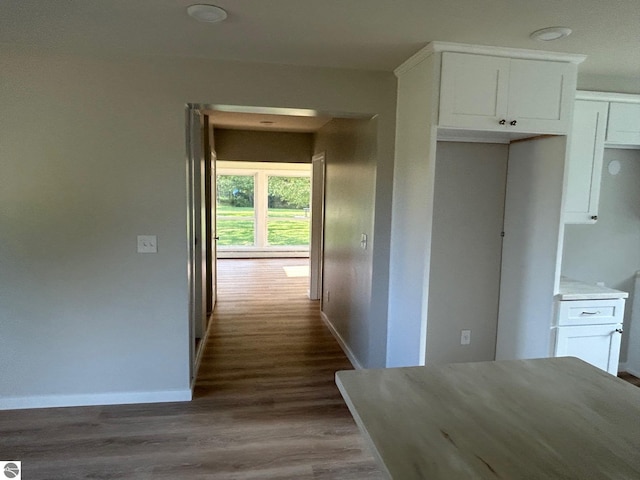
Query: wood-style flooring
{"points": [[265, 407]]}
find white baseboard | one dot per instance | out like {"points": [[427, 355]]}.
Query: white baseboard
{"points": [[83, 400], [343, 345]]}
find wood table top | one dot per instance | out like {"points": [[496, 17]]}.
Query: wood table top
{"points": [[553, 418]]}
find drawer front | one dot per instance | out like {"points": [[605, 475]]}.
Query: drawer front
{"points": [[590, 312]]}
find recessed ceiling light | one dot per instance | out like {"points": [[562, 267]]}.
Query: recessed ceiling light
{"points": [[551, 33], [207, 13]]}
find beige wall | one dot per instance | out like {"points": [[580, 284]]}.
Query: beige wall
{"points": [[609, 250], [466, 248], [259, 146], [92, 154], [350, 158]]}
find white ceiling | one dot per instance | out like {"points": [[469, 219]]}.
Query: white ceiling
{"points": [[361, 34]]}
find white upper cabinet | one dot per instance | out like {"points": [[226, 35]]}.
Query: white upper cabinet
{"points": [[624, 124], [586, 152], [481, 92]]}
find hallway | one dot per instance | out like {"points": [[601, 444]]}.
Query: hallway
{"points": [[269, 363], [265, 404]]}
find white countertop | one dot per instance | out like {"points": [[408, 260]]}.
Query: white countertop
{"points": [[575, 290], [536, 419]]}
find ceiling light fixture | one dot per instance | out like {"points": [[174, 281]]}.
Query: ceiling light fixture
{"points": [[551, 33], [207, 13]]}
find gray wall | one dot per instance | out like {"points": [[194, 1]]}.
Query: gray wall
{"points": [[466, 246], [350, 152], [259, 146], [92, 154], [609, 250]]}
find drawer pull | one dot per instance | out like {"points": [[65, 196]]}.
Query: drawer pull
{"points": [[619, 330], [591, 313]]}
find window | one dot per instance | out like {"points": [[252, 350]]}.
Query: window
{"points": [[263, 207]]}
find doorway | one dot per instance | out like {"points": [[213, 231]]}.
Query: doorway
{"points": [[292, 140]]}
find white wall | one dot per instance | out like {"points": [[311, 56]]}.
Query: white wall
{"points": [[413, 178], [609, 250], [466, 248], [93, 154], [350, 153]]}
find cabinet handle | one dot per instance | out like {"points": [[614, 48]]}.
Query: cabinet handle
{"points": [[502, 122], [594, 217], [619, 330], [591, 313], [513, 123]]}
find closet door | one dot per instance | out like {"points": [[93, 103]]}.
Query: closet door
{"points": [[530, 254]]}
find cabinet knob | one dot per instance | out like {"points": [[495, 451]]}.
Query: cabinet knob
{"points": [[594, 217], [619, 330], [513, 123], [502, 122]]}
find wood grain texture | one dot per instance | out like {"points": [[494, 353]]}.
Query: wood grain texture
{"points": [[265, 407], [554, 418]]}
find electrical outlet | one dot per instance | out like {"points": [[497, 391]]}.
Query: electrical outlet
{"points": [[147, 244], [465, 337]]}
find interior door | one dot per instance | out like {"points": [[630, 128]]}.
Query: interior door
{"points": [[317, 226], [531, 247], [197, 267], [210, 217]]}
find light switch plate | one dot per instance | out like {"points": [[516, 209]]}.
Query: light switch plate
{"points": [[147, 244]]}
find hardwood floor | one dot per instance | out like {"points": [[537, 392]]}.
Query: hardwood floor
{"points": [[630, 378], [265, 407]]}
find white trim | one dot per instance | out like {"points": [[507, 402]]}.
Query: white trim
{"points": [[439, 47], [506, 52], [88, 399], [413, 61], [343, 345], [607, 96]]}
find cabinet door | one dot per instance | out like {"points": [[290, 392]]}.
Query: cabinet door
{"points": [[624, 124], [541, 94], [586, 152], [473, 91], [598, 345]]}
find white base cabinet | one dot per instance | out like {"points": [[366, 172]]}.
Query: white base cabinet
{"points": [[598, 345], [590, 330]]}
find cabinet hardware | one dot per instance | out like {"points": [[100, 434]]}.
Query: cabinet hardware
{"points": [[502, 122], [594, 217], [591, 313], [513, 123], [619, 330]]}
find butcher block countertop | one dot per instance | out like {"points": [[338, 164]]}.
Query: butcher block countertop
{"points": [[576, 290], [553, 418]]}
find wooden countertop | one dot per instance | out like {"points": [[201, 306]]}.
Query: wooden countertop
{"points": [[555, 418]]}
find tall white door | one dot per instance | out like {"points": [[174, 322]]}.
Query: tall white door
{"points": [[530, 253]]}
